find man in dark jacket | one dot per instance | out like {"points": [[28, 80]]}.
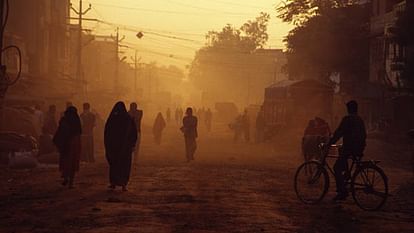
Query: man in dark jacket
{"points": [[353, 134]]}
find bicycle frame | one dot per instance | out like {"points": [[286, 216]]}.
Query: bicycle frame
{"points": [[355, 163]]}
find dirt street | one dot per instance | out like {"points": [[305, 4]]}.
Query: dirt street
{"points": [[231, 187]]}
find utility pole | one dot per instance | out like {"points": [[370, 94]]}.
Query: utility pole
{"points": [[117, 41], [80, 14], [136, 60]]}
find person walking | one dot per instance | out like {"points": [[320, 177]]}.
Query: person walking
{"points": [[67, 140], [88, 124], [189, 129], [159, 126], [120, 137], [168, 114], [136, 115]]}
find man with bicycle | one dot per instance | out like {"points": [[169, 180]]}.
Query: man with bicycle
{"points": [[353, 134]]}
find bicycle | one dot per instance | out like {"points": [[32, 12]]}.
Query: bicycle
{"points": [[364, 179]]}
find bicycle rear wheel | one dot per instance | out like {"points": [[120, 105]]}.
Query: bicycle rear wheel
{"points": [[311, 182], [369, 187]]}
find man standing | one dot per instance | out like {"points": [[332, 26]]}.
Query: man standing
{"points": [[136, 115], [88, 123], [353, 134], [168, 114], [190, 133]]}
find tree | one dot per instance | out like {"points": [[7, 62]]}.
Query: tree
{"points": [[222, 63], [332, 37], [300, 11]]}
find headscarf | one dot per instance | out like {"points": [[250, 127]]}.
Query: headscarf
{"points": [[72, 118], [118, 129]]}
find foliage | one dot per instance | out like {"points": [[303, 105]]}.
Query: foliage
{"points": [[220, 63], [300, 11], [332, 37]]}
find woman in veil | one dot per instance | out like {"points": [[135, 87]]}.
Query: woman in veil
{"points": [[120, 137]]}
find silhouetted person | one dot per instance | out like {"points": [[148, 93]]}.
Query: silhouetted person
{"points": [[88, 124], [120, 137], [177, 116], [158, 127], [208, 119], [168, 114], [246, 126], [317, 131], [50, 124], [68, 104], [260, 126], [237, 127], [353, 134], [189, 129], [67, 140], [180, 114], [136, 115]]}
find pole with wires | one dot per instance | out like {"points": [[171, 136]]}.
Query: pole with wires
{"points": [[80, 14]]}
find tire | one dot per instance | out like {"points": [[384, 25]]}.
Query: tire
{"points": [[313, 176], [369, 187]]}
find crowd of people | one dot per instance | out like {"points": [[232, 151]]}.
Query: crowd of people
{"points": [[73, 137]]}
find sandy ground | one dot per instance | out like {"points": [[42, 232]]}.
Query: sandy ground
{"points": [[229, 188]]}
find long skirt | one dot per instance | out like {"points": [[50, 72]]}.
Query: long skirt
{"points": [[120, 168], [69, 160]]}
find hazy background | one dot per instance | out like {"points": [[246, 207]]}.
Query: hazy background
{"points": [[186, 20]]}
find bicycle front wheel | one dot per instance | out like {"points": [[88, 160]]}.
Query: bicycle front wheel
{"points": [[369, 187], [311, 182]]}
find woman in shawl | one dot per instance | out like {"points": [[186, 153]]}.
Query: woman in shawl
{"points": [[158, 127], [67, 140], [120, 137]]}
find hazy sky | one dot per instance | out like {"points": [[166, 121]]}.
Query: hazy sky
{"points": [[185, 20]]}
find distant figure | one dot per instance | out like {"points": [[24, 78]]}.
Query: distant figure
{"points": [[246, 126], [189, 129], [353, 134], [136, 115], [39, 120], [237, 127], [67, 140], [168, 114], [46, 145], [159, 126], [88, 124], [208, 119], [260, 126], [120, 137], [200, 114], [177, 116], [50, 124], [180, 115], [317, 131]]}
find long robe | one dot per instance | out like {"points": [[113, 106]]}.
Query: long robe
{"points": [[67, 140], [120, 137], [158, 127]]}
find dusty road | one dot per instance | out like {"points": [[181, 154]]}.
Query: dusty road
{"points": [[229, 188]]}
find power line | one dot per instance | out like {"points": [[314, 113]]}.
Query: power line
{"points": [[161, 11], [209, 9]]}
